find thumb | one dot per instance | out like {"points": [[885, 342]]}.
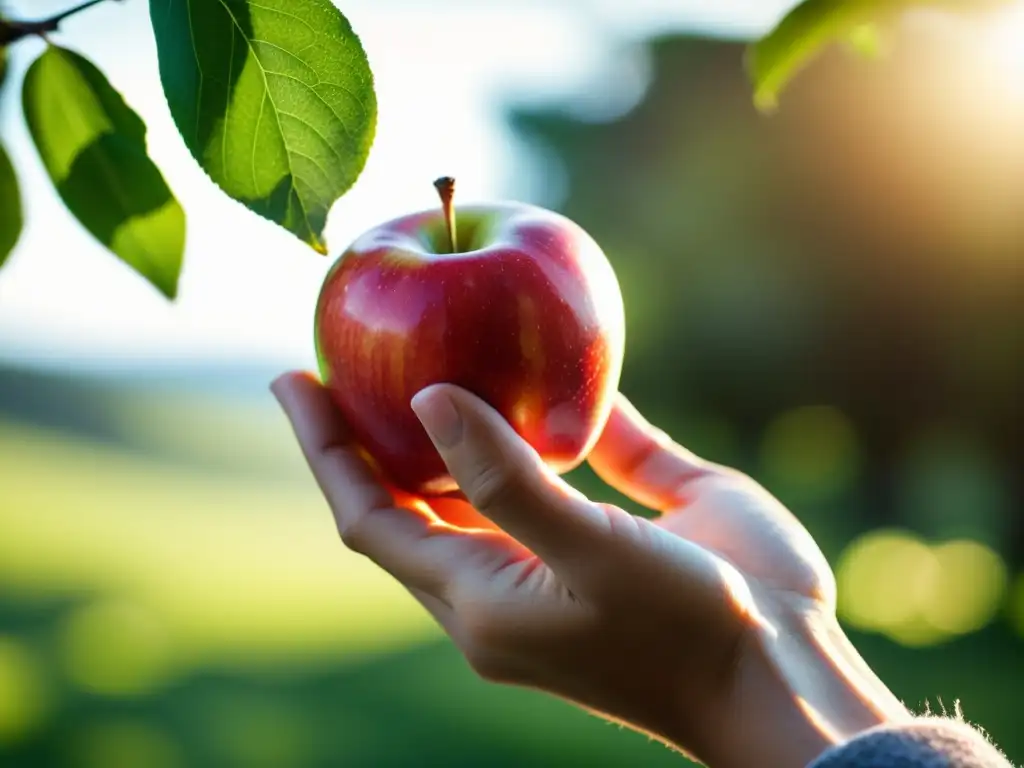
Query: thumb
{"points": [[505, 479]]}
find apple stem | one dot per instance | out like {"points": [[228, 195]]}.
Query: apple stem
{"points": [[446, 189]]}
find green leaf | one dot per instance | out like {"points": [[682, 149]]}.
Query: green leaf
{"points": [[774, 60], [274, 99], [94, 148], [10, 207]]}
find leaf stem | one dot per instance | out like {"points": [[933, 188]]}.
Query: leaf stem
{"points": [[13, 31], [446, 189]]}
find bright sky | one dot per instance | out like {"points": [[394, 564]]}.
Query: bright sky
{"points": [[247, 292]]}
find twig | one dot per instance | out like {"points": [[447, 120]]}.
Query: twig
{"points": [[13, 31]]}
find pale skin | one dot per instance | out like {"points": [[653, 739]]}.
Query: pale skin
{"points": [[711, 628]]}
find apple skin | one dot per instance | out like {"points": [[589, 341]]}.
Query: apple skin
{"points": [[528, 316]]}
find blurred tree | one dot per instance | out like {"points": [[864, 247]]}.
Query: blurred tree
{"points": [[774, 263]]}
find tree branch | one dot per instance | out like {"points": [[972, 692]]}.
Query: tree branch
{"points": [[12, 31]]}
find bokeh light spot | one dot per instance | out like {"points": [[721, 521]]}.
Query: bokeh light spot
{"points": [[893, 583], [24, 695], [968, 589], [879, 579], [114, 647], [916, 633], [812, 451]]}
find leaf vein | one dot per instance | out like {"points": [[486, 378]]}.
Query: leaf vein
{"points": [[278, 11], [273, 106], [199, 69], [305, 123], [227, 110], [256, 140], [319, 95]]}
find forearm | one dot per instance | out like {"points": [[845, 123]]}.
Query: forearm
{"points": [[801, 689]]}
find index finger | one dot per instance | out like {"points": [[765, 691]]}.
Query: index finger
{"points": [[641, 461]]}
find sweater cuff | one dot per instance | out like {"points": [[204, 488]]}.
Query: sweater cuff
{"points": [[927, 742]]}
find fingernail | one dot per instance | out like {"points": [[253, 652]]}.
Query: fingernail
{"points": [[439, 417]]}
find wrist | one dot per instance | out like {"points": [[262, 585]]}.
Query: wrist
{"points": [[799, 688]]}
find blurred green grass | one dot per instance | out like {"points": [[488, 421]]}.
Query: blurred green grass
{"points": [[159, 611], [177, 596]]}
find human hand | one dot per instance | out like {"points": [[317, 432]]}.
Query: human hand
{"points": [[711, 628]]}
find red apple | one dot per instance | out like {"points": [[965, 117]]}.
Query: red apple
{"points": [[519, 306]]}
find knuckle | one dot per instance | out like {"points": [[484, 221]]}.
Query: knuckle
{"points": [[493, 487], [736, 477], [707, 477], [626, 526], [353, 535]]}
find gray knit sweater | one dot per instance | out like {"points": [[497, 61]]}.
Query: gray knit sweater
{"points": [[929, 742]]}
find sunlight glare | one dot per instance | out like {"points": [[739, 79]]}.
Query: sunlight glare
{"points": [[1004, 35]]}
